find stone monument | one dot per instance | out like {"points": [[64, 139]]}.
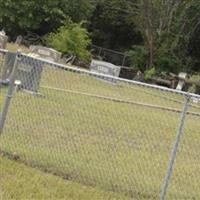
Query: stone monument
{"points": [[182, 78], [30, 69], [3, 40], [46, 53], [105, 68], [29, 73]]}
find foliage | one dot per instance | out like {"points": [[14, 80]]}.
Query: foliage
{"points": [[79, 10], [166, 62], [138, 55], [168, 30], [149, 73], [194, 88], [113, 25], [41, 16], [71, 38]]}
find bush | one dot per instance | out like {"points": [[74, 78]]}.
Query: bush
{"points": [[167, 62], [70, 39], [138, 55], [194, 88], [149, 73]]}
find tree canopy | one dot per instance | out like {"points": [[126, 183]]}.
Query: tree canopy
{"points": [[41, 17], [160, 34]]}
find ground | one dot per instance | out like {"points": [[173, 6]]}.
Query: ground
{"points": [[109, 137], [18, 181]]}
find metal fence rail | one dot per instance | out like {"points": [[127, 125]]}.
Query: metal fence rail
{"points": [[121, 136]]}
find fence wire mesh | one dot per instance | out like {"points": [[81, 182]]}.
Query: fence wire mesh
{"points": [[101, 131], [185, 180]]}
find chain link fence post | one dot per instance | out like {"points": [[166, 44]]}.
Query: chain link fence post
{"points": [[175, 148], [9, 95]]}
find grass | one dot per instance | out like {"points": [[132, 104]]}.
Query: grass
{"points": [[13, 47], [18, 181], [113, 146]]}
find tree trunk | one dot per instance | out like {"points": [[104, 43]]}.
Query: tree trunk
{"points": [[147, 19]]}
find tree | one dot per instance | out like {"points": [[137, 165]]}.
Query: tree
{"points": [[166, 26], [39, 16], [113, 25]]}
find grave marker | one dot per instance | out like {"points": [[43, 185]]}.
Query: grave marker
{"points": [[105, 68], [3, 40], [46, 53], [19, 40], [29, 73], [30, 69], [182, 78]]}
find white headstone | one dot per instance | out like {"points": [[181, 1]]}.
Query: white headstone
{"points": [[3, 40], [182, 77], [46, 53], [105, 68]]}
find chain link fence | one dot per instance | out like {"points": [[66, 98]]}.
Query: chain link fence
{"points": [[105, 132]]}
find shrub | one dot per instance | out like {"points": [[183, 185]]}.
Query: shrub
{"points": [[138, 55], [149, 73], [194, 88], [167, 62], [71, 38]]}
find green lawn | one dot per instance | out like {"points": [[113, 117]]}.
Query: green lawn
{"points": [[18, 181], [115, 146]]}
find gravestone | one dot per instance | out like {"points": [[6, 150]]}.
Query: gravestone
{"points": [[19, 40], [139, 76], [3, 40], [46, 53], [29, 73], [106, 68], [182, 78], [30, 69], [7, 66]]}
